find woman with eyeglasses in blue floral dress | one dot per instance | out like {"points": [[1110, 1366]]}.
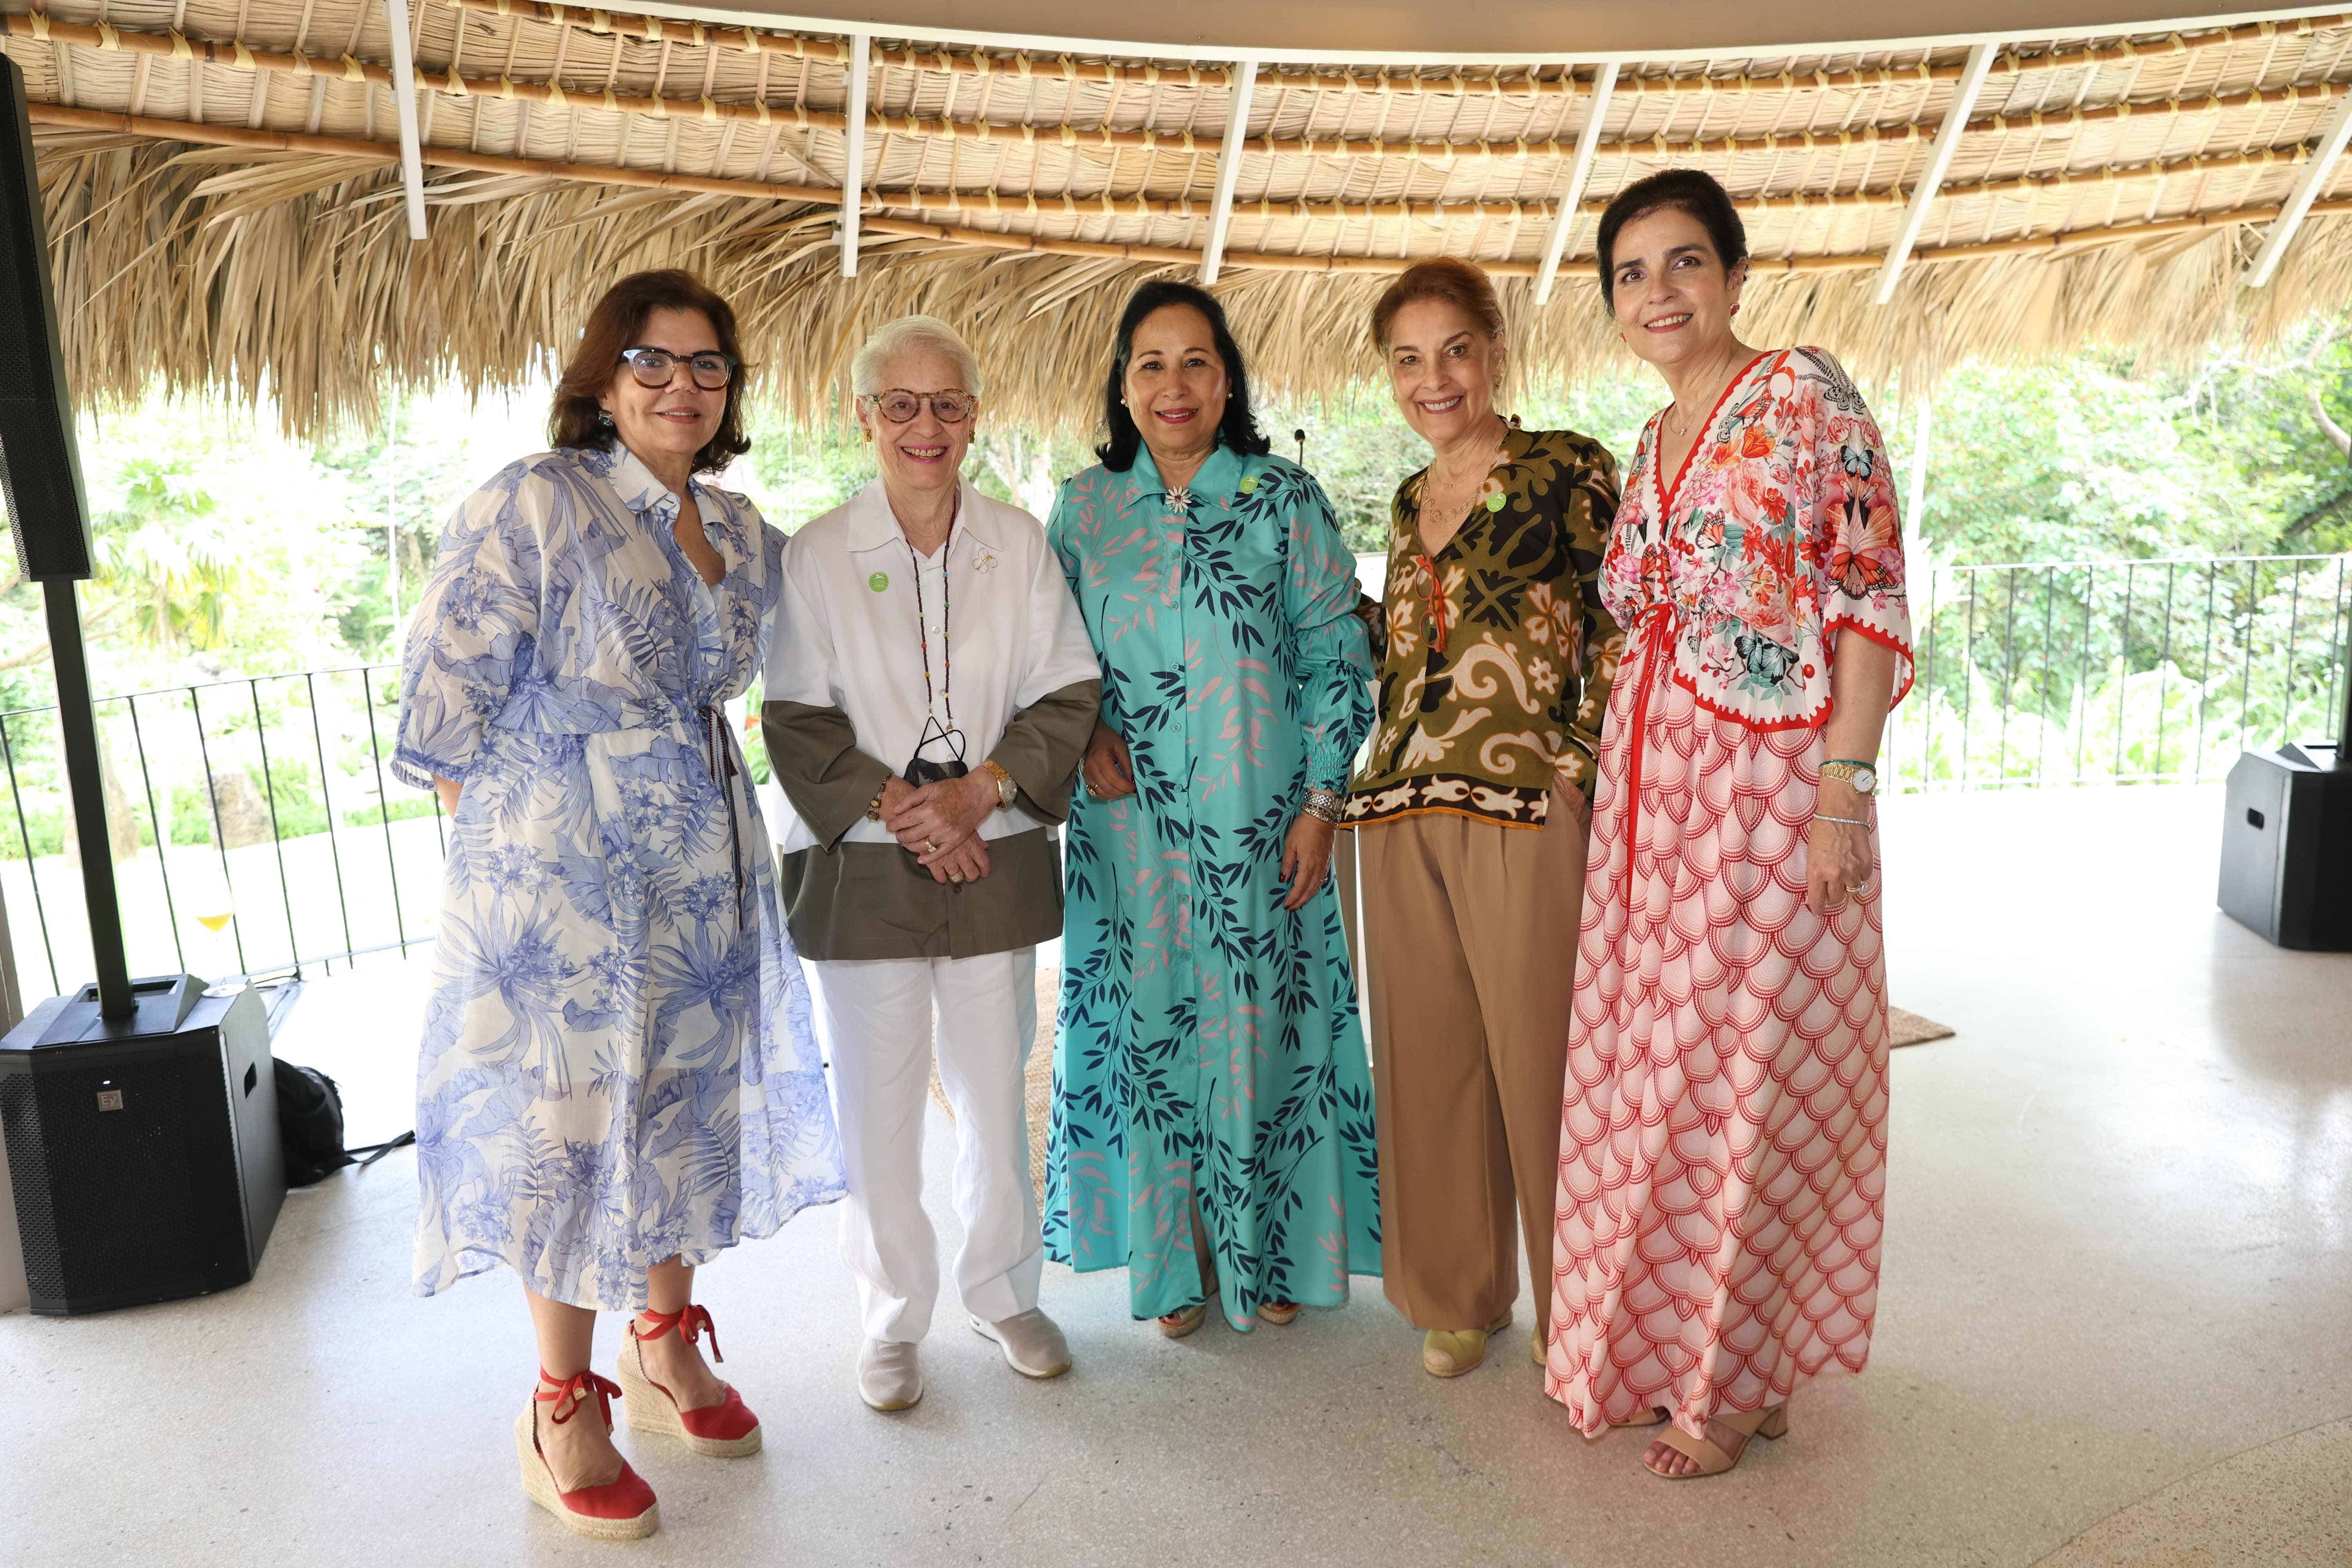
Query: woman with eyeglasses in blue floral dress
{"points": [[618, 1079]]}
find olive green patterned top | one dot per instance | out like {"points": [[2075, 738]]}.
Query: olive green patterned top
{"points": [[1495, 652]]}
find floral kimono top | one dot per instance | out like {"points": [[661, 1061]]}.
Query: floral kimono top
{"points": [[1498, 652], [1779, 530]]}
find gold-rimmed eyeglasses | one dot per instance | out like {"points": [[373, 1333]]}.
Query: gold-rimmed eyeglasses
{"points": [[898, 404], [657, 367]]}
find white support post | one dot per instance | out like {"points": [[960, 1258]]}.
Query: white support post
{"points": [[1915, 515], [852, 156], [1940, 161], [1229, 168], [2307, 187], [1587, 148], [404, 102]]}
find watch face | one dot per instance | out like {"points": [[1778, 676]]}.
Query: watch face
{"points": [[1865, 781]]}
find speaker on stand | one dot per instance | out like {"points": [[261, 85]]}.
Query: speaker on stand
{"points": [[141, 1119]]}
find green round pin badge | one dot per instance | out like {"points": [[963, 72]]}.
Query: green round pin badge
{"points": [[1494, 503], [879, 581], [1249, 484]]}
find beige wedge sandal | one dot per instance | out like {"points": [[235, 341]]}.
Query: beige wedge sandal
{"points": [[621, 1508], [727, 1430]]}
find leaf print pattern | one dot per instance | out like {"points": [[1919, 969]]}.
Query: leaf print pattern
{"points": [[1209, 1048], [617, 1065]]}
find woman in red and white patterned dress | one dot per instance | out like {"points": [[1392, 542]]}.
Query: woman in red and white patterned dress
{"points": [[1724, 1142]]}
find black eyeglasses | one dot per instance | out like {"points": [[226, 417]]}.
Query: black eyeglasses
{"points": [[657, 367], [898, 405]]}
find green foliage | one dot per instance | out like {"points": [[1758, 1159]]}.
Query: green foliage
{"points": [[795, 476], [2261, 421], [2066, 462], [402, 482], [168, 556]]}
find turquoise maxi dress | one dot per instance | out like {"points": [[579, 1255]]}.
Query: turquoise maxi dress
{"points": [[1208, 1044]]}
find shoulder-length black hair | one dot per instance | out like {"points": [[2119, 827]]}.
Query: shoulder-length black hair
{"points": [[1238, 430]]}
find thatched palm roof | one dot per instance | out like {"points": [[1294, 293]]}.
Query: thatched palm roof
{"points": [[224, 199]]}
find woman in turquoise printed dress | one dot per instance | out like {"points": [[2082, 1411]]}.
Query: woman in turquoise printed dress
{"points": [[618, 1077], [1213, 1125]]}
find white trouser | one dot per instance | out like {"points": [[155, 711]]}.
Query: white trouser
{"points": [[876, 1019]]}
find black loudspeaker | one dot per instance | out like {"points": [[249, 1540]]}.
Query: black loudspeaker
{"points": [[40, 480], [144, 1154], [2286, 847]]}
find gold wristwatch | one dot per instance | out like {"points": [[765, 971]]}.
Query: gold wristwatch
{"points": [[1005, 788], [1861, 777]]}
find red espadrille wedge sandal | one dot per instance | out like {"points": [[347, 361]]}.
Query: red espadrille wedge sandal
{"points": [[621, 1508], [727, 1430]]}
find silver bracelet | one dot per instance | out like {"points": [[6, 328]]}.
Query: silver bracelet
{"points": [[1849, 821], [1325, 805]]}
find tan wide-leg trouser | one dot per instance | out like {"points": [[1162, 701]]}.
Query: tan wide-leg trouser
{"points": [[1470, 959]]}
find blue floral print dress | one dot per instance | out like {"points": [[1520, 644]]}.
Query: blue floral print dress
{"points": [[617, 1066], [1209, 1047]]}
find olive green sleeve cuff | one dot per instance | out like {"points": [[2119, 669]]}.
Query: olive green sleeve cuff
{"points": [[1041, 746], [812, 755]]}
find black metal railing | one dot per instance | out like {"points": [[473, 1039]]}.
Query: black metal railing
{"points": [[2118, 672], [255, 828]]}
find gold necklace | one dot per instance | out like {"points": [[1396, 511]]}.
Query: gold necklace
{"points": [[1443, 485], [1680, 426]]}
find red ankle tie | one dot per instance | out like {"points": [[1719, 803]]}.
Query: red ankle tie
{"points": [[580, 1385], [690, 1322]]}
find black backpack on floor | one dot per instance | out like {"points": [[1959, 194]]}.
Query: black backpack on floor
{"points": [[310, 1127]]}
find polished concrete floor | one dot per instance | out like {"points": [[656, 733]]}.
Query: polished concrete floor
{"points": [[2114, 1328]]}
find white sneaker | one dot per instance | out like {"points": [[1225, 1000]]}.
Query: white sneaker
{"points": [[889, 1375], [1033, 1342]]}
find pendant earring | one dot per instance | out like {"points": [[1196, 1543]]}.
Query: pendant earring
{"points": [[605, 420], [1734, 310]]}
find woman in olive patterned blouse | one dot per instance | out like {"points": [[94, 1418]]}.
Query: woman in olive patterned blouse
{"points": [[1471, 804]]}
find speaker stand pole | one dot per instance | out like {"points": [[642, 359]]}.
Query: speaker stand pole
{"points": [[78, 718]]}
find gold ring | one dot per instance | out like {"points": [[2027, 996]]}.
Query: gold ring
{"points": [[930, 847]]}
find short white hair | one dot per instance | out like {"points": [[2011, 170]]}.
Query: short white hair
{"points": [[911, 334]]}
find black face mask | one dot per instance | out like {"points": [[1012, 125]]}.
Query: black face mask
{"points": [[922, 770]]}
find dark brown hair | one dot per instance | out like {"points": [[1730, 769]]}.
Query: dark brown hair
{"points": [[1692, 191], [614, 325], [1458, 283]]}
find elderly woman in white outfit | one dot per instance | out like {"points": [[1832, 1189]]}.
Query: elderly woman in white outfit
{"points": [[929, 690]]}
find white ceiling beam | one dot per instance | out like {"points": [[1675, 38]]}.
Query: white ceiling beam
{"points": [[1229, 168], [2307, 187], [1939, 161], [852, 155], [403, 104], [1587, 148]]}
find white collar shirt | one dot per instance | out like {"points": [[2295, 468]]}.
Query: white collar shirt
{"points": [[1005, 633]]}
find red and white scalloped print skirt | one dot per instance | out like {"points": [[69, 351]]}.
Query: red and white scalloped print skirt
{"points": [[1723, 1154]]}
